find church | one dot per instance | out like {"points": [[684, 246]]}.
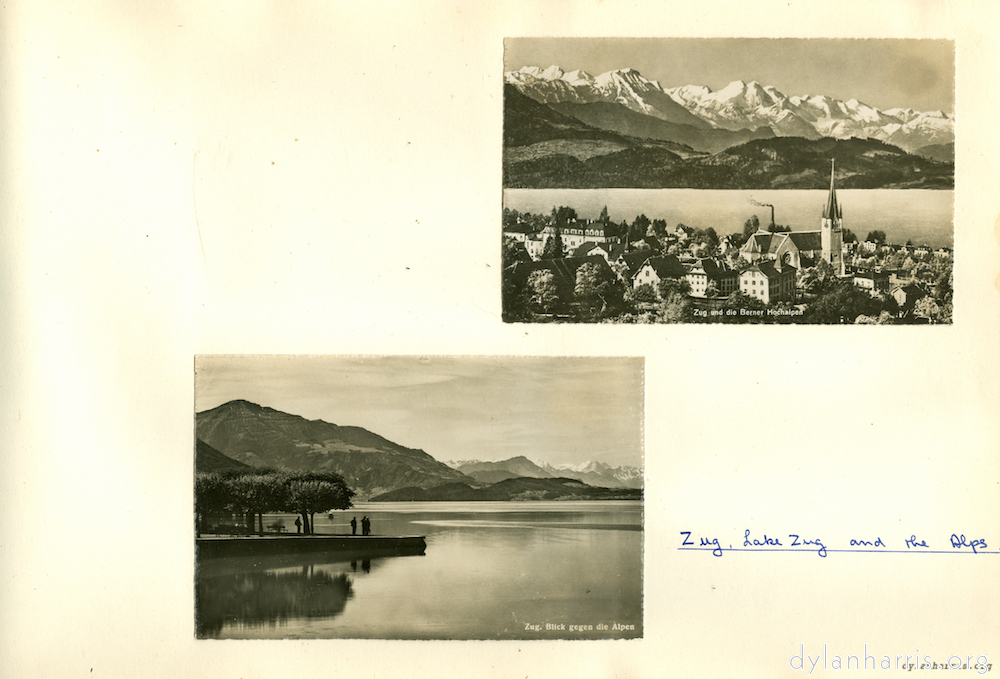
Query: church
{"points": [[803, 249]]}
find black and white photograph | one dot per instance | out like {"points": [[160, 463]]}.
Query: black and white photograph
{"points": [[321, 359], [728, 180], [418, 497]]}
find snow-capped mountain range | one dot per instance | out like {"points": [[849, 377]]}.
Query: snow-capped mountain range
{"points": [[592, 473], [738, 106]]}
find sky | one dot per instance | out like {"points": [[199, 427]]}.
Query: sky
{"points": [[555, 410], [917, 74]]}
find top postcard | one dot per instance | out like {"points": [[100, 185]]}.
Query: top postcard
{"points": [[728, 180]]}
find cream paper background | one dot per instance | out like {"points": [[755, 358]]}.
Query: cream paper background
{"points": [[144, 223]]}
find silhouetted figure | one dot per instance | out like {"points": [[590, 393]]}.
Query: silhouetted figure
{"points": [[366, 526], [354, 525], [366, 566], [298, 525], [354, 566]]}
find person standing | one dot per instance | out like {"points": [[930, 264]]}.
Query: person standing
{"points": [[354, 525], [365, 525], [298, 525]]}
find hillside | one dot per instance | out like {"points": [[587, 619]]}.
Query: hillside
{"points": [[528, 122], [778, 163], [546, 148], [258, 436], [493, 472], [516, 489], [622, 120], [596, 474], [208, 459]]}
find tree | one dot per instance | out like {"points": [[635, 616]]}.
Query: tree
{"points": [[816, 279], [309, 492], [712, 289], [514, 296], [562, 215], [512, 287], [511, 217], [594, 283], [842, 303], [210, 495], [511, 252], [750, 227], [927, 307], [849, 237], [675, 307], [256, 491], [553, 248], [639, 228], [711, 238], [739, 300], [542, 291], [246, 492], [645, 293], [884, 318], [605, 217], [876, 236]]}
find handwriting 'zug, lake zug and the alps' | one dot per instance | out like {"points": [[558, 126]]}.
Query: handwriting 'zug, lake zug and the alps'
{"points": [[634, 202], [309, 529]]}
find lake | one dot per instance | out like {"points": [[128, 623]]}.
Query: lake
{"points": [[491, 570], [926, 217]]}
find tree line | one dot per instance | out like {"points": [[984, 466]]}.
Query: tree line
{"points": [[257, 491]]}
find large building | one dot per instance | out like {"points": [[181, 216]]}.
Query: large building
{"points": [[578, 232], [802, 249], [769, 282]]}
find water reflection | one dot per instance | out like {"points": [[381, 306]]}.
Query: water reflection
{"points": [[489, 569], [258, 598]]}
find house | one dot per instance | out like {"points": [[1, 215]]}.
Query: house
{"points": [[706, 271], [769, 282], [655, 269], [872, 281], [906, 297], [590, 248], [683, 233], [631, 260], [519, 231], [650, 242], [534, 245], [726, 246], [519, 254]]}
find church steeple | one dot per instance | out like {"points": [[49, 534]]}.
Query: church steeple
{"points": [[832, 226], [832, 210]]}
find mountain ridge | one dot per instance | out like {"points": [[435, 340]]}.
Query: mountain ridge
{"points": [[515, 489], [593, 473], [371, 464], [739, 106], [584, 161]]}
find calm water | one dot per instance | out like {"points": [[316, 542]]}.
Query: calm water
{"points": [[490, 570], [923, 216]]}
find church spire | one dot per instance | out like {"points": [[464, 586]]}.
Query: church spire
{"points": [[832, 210]]}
